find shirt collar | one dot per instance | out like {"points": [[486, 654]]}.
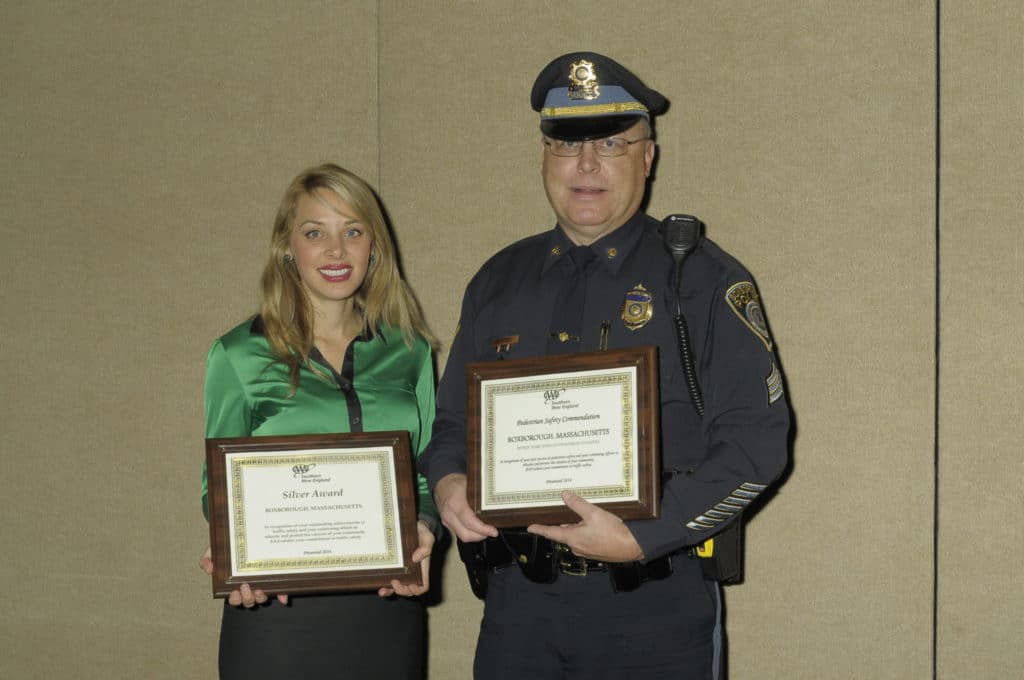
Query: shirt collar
{"points": [[257, 328], [612, 249]]}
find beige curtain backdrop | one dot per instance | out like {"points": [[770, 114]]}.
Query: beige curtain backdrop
{"points": [[863, 159]]}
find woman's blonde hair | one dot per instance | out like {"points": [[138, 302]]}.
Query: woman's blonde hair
{"points": [[384, 299]]}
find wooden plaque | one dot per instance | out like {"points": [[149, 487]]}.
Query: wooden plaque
{"points": [[586, 422], [312, 513]]}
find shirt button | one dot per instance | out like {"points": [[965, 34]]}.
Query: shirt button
{"points": [[356, 420]]}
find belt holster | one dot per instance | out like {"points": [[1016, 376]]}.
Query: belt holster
{"points": [[472, 555], [535, 555], [725, 563]]}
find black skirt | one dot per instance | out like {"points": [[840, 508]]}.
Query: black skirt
{"points": [[351, 635]]}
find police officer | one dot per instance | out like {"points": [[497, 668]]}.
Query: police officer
{"points": [[626, 599]]}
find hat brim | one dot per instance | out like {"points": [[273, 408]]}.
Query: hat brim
{"points": [[582, 129]]}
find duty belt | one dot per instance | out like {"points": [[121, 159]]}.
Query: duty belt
{"points": [[541, 560], [574, 565]]}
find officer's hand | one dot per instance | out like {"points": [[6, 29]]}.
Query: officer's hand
{"points": [[599, 535], [244, 596], [450, 497]]}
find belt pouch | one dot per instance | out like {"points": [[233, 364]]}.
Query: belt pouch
{"points": [[630, 576], [534, 554]]}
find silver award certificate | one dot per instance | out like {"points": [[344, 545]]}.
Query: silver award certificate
{"points": [[312, 513]]}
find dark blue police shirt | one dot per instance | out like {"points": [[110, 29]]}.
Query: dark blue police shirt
{"points": [[721, 462]]}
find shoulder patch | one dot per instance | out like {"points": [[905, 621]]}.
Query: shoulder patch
{"points": [[746, 304]]}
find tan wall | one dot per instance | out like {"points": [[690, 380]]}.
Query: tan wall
{"points": [[981, 469], [145, 146]]}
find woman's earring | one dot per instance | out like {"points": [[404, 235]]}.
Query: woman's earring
{"points": [[288, 259], [373, 258]]}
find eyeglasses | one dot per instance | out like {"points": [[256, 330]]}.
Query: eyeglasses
{"points": [[608, 147]]}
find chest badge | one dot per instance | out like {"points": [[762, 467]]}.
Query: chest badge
{"points": [[637, 309]]}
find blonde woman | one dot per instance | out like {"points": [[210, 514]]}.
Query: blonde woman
{"points": [[339, 345]]}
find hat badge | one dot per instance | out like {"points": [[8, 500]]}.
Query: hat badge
{"points": [[583, 81]]}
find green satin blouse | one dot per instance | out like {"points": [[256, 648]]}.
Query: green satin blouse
{"points": [[247, 392]]}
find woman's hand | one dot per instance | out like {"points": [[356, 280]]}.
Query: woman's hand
{"points": [[245, 596], [421, 555]]}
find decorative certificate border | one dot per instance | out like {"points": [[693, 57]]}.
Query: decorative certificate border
{"points": [[386, 501], [625, 482]]}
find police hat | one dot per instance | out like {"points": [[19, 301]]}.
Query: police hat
{"points": [[585, 95]]}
